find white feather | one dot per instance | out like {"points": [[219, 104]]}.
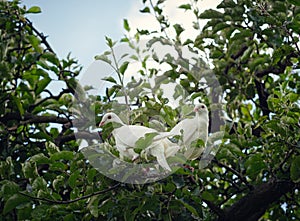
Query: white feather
{"points": [[126, 137], [193, 129]]}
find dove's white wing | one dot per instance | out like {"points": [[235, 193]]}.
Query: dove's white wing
{"points": [[200, 133], [189, 129], [192, 130], [128, 135]]}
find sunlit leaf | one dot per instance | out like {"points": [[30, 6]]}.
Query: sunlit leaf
{"points": [[34, 10], [62, 155], [126, 25], [185, 6], [124, 67], [110, 79], [145, 10], [211, 13], [42, 85]]}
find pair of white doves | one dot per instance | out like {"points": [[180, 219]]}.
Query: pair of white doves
{"points": [[189, 130]]}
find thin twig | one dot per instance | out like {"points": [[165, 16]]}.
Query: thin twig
{"points": [[243, 179], [71, 201]]}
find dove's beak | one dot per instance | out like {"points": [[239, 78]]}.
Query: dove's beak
{"points": [[196, 109], [101, 123]]}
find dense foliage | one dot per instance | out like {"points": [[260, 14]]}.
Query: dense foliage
{"points": [[254, 49]]}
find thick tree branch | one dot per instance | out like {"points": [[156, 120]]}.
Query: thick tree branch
{"points": [[252, 206], [263, 97], [280, 68], [79, 135], [217, 210], [44, 119]]}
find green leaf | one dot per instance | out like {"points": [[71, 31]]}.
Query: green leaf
{"points": [[160, 1], [227, 4], [216, 54], [178, 28], [93, 206], [52, 58], [109, 42], [70, 217], [145, 10], [294, 2], [220, 26], [123, 67], [14, 201], [34, 10], [18, 104], [250, 91], [29, 169], [206, 195], [41, 136], [103, 58], [8, 188], [110, 79], [295, 171], [39, 184], [292, 97], [62, 155], [126, 25], [170, 187], [73, 179], [254, 165], [210, 13], [144, 142], [58, 182], [185, 6], [189, 208], [35, 42], [40, 211], [91, 173], [42, 85]]}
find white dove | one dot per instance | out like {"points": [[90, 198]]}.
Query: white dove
{"points": [[126, 137], [193, 129]]}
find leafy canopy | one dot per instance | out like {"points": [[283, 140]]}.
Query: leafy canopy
{"points": [[254, 51]]}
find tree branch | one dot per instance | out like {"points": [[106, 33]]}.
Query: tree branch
{"points": [[263, 97], [41, 36], [217, 210], [64, 91], [240, 176], [71, 201], [252, 206], [44, 119], [79, 135]]}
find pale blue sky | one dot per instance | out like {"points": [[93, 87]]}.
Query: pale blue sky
{"points": [[79, 26]]}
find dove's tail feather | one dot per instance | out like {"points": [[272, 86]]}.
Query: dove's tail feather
{"points": [[163, 163], [158, 152]]}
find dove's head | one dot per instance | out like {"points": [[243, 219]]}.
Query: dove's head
{"points": [[201, 109], [110, 117]]}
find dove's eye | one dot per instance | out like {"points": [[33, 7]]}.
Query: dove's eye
{"points": [[202, 106], [109, 117]]}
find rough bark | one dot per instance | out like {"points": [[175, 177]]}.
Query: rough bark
{"points": [[252, 206]]}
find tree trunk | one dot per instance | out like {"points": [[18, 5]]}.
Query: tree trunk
{"points": [[252, 206]]}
